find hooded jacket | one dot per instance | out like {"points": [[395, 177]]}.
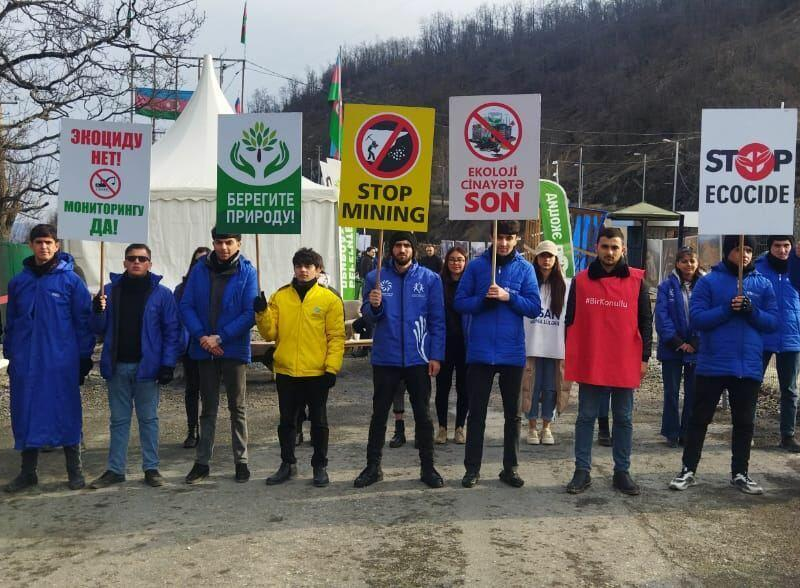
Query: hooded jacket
{"points": [[496, 333], [410, 322], [672, 321], [161, 329], [787, 336], [731, 342], [47, 333], [235, 316]]}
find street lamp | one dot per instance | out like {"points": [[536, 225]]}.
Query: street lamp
{"points": [[675, 176], [555, 175], [644, 172]]}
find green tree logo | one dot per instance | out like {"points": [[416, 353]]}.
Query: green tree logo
{"points": [[262, 140]]}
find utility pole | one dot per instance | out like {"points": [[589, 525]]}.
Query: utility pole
{"points": [[644, 172], [580, 178], [555, 175], [675, 176]]}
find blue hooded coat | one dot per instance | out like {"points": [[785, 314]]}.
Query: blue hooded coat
{"points": [[787, 336], [730, 342], [497, 332], [161, 329], [236, 317], [672, 322], [47, 333], [410, 323]]}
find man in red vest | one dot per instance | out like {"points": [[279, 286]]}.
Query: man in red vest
{"points": [[609, 335]]}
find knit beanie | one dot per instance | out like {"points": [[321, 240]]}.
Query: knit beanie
{"points": [[731, 242], [403, 236]]}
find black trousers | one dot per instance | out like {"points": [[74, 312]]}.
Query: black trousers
{"points": [[293, 395], [743, 395], [443, 383], [386, 381], [191, 392], [479, 385]]}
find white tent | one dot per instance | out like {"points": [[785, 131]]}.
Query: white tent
{"points": [[183, 182]]}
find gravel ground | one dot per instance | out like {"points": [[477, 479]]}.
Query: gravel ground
{"points": [[399, 532]]}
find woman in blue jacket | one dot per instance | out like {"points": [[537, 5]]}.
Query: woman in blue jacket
{"points": [[677, 344]]}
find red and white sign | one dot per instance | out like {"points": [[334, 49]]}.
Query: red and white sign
{"points": [[747, 165], [494, 156], [104, 181], [387, 146]]}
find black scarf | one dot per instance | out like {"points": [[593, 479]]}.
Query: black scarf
{"points": [[779, 265], [40, 270], [217, 266], [734, 267], [303, 287]]}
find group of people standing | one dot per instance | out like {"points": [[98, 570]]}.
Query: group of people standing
{"points": [[498, 315]]}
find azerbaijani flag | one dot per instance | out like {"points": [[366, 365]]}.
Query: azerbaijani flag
{"points": [[161, 103], [335, 97], [237, 107], [244, 24]]}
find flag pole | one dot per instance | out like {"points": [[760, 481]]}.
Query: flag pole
{"points": [[494, 251], [740, 285], [380, 260], [102, 265]]}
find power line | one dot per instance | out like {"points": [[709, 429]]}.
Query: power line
{"points": [[266, 71]]}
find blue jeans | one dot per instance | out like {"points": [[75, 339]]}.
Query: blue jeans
{"points": [[125, 392], [544, 389], [590, 400], [674, 423], [786, 364]]}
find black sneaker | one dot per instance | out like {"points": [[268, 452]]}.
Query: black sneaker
{"points": [[431, 477], [789, 443], [75, 480], [153, 478], [21, 482], [285, 472], [604, 439], [511, 477], [399, 437], [197, 474], [580, 481], [368, 476], [242, 473], [683, 480], [191, 440], [745, 484], [625, 484], [470, 479], [107, 479]]}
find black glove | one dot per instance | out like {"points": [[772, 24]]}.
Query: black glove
{"points": [[96, 305], [165, 375], [330, 379], [260, 303], [85, 368], [747, 306]]}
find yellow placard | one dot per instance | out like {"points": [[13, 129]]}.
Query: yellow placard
{"points": [[386, 167]]}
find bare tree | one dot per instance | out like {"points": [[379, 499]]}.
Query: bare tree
{"points": [[72, 58]]}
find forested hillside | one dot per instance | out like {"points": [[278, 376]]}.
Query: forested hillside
{"points": [[617, 78]]}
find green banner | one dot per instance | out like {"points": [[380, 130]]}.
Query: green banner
{"points": [[347, 261], [258, 173], [554, 215]]}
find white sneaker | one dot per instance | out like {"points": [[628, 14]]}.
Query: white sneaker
{"points": [[533, 437], [683, 480], [547, 437], [746, 485]]}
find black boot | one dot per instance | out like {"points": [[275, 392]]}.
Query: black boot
{"points": [[369, 475], [287, 471], [321, 478], [191, 439], [72, 456], [603, 432], [431, 477], [399, 438], [27, 477]]}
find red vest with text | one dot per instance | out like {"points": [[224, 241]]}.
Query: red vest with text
{"points": [[604, 347]]}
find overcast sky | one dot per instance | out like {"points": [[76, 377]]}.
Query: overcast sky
{"points": [[291, 36]]}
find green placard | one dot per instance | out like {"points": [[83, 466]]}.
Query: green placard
{"points": [[554, 214], [259, 174], [347, 261]]}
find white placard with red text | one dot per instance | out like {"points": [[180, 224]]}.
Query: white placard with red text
{"points": [[104, 181], [494, 156], [747, 163]]}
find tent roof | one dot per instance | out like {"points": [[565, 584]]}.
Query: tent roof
{"points": [[644, 211], [186, 156], [311, 192]]}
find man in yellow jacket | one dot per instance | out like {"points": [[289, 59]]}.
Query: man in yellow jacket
{"points": [[306, 321]]}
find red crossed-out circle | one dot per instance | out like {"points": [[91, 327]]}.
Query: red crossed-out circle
{"points": [[398, 154], [755, 162], [105, 183], [496, 139]]}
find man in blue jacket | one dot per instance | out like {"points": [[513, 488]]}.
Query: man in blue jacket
{"points": [[138, 319], [407, 309], [496, 344], [217, 310], [730, 357], [784, 342], [49, 348]]}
